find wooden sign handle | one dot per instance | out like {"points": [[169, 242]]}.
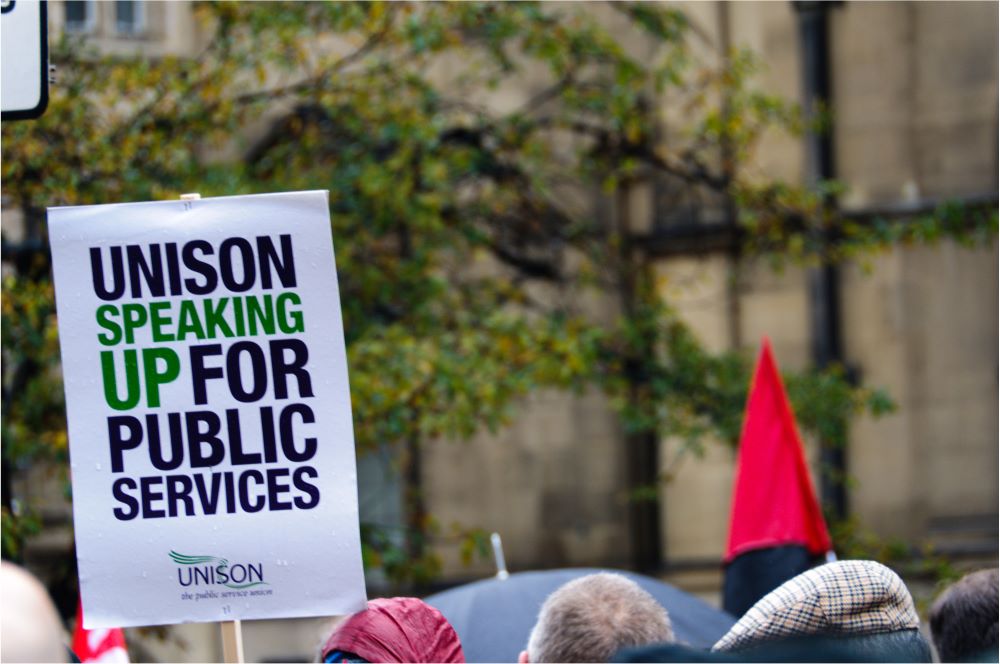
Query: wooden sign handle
{"points": [[232, 642], [232, 632]]}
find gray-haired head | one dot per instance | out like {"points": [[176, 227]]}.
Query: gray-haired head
{"points": [[591, 618]]}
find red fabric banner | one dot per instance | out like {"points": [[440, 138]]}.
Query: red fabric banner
{"points": [[98, 645], [774, 503]]}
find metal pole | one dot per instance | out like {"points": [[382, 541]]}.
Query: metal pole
{"points": [[824, 281], [642, 463], [502, 572]]}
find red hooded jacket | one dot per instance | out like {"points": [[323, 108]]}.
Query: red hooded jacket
{"points": [[397, 629]]}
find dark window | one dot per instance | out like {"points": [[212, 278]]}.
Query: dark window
{"points": [[128, 17], [79, 15]]}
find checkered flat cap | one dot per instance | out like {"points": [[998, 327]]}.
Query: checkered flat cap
{"points": [[845, 597]]}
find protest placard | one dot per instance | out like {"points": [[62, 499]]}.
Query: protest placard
{"points": [[208, 408]]}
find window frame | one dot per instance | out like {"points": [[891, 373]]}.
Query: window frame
{"points": [[138, 26], [89, 23]]}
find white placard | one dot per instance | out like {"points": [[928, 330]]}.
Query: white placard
{"points": [[209, 412]]}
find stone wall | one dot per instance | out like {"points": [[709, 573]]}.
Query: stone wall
{"points": [[915, 89], [915, 93]]}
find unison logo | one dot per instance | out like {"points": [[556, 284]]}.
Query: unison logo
{"points": [[212, 570]]}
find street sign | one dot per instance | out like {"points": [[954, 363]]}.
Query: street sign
{"points": [[24, 59]]}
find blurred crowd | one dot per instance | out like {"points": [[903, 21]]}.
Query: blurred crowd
{"points": [[844, 611]]}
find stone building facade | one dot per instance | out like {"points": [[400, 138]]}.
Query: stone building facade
{"points": [[914, 89], [914, 93]]}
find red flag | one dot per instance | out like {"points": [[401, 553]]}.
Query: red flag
{"points": [[98, 645], [774, 503]]}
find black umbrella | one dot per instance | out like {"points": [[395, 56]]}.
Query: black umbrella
{"points": [[494, 617]]}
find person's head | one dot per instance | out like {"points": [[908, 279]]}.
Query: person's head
{"points": [[395, 629], [849, 598], [32, 631], [964, 618], [591, 618]]}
